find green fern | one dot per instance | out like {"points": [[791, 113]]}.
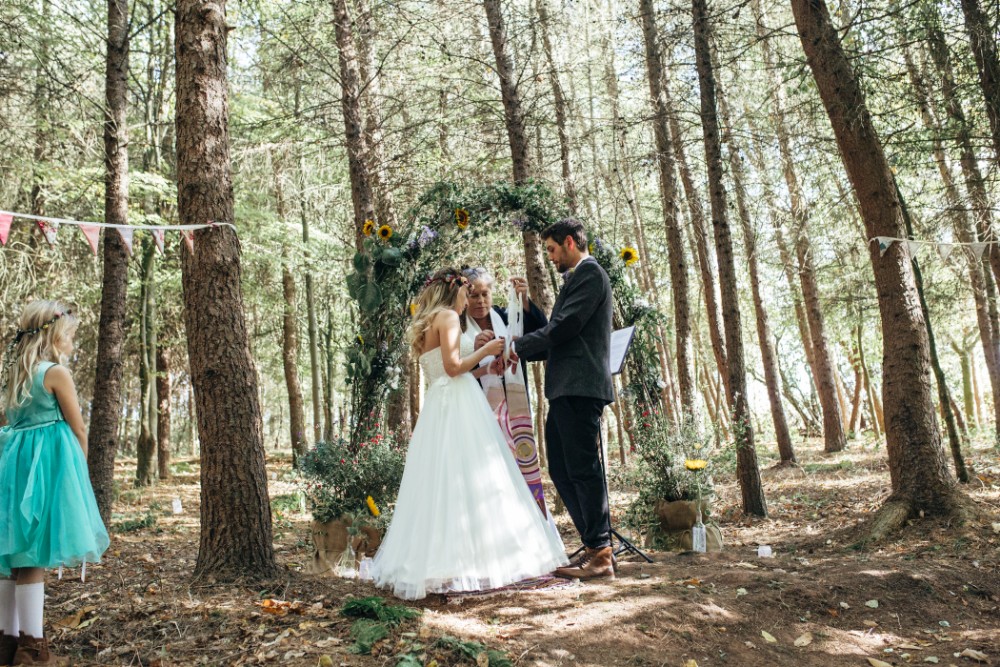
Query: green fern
{"points": [[376, 609]]}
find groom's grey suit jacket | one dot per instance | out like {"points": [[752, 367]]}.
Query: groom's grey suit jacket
{"points": [[577, 340]]}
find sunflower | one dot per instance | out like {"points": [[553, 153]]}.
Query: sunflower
{"points": [[629, 255], [385, 232], [372, 507], [413, 309], [461, 218], [695, 464], [368, 227]]}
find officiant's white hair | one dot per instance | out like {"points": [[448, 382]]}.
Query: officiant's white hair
{"points": [[477, 273]]}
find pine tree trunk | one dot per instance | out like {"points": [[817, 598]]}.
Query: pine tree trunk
{"points": [[290, 362], [163, 444], [747, 470], [561, 107], [671, 216], [537, 276], [834, 439], [772, 379], [235, 537], [146, 444], [917, 467], [982, 38], [355, 139], [106, 409]]}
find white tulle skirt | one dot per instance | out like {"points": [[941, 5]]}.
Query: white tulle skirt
{"points": [[465, 519]]}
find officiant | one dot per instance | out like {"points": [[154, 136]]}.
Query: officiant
{"points": [[507, 393]]}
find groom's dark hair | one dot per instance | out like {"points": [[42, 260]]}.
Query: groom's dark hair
{"points": [[567, 227]]}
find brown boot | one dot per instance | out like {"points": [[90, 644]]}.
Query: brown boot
{"points": [[596, 563], [580, 557], [8, 646], [34, 651]]}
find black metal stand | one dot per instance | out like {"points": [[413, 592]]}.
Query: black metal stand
{"points": [[624, 545]]}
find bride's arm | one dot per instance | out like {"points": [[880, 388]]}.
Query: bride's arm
{"points": [[450, 332]]}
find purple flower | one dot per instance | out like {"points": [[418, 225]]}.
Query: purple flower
{"points": [[426, 236], [519, 222]]}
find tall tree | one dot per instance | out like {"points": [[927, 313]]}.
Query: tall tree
{"points": [[538, 278], [666, 166], [163, 445], [982, 37], [920, 480], [149, 406], [747, 470], [235, 539], [106, 408]]}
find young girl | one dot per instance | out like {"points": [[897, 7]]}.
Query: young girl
{"points": [[48, 514], [464, 519]]}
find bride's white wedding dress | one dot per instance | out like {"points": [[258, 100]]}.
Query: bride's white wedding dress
{"points": [[464, 518]]}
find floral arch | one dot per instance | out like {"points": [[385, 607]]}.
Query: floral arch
{"points": [[393, 264]]}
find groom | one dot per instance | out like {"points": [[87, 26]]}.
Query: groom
{"points": [[576, 343]]}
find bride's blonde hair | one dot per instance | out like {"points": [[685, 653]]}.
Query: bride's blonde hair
{"points": [[440, 293], [43, 324]]}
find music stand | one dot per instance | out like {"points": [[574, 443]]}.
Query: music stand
{"points": [[621, 340]]}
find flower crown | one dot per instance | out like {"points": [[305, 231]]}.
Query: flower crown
{"points": [[24, 333], [448, 279], [21, 334]]}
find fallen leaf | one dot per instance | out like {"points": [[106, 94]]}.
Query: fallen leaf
{"points": [[844, 605], [973, 654], [693, 582], [691, 663], [740, 592], [325, 661], [768, 637], [870, 624], [874, 662], [872, 603], [74, 621], [804, 640], [483, 659], [931, 659]]}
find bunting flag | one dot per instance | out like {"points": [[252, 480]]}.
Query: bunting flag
{"points": [[49, 228], [188, 240], [126, 233], [913, 247], [883, 244], [5, 220], [158, 235], [92, 233], [978, 248], [944, 250]]}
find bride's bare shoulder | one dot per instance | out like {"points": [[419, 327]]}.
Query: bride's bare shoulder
{"points": [[446, 318]]}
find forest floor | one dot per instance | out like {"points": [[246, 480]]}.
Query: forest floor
{"points": [[930, 596]]}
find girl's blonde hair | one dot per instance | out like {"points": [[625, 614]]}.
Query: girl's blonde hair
{"points": [[440, 293], [41, 326]]}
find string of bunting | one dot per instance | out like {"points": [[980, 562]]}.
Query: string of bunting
{"points": [[944, 249], [91, 230]]}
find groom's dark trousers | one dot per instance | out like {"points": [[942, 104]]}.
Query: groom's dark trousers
{"points": [[572, 441], [576, 344]]}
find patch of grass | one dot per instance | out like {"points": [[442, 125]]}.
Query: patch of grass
{"points": [[366, 634], [471, 650], [138, 522], [181, 468], [288, 503], [823, 466]]}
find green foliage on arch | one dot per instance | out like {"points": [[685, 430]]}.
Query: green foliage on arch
{"points": [[394, 263]]}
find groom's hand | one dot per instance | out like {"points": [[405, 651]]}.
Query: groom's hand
{"points": [[512, 355], [483, 338]]}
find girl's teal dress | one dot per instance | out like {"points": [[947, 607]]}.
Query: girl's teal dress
{"points": [[48, 514]]}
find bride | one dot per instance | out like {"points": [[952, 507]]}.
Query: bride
{"points": [[464, 519]]}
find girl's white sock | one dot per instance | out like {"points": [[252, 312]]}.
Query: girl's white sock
{"points": [[8, 608], [31, 608]]}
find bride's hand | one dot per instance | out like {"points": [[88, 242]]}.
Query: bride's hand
{"points": [[497, 366], [494, 347]]}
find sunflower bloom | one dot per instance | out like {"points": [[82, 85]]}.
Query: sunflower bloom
{"points": [[368, 227], [413, 309], [461, 218], [372, 507], [695, 464], [629, 255], [385, 232]]}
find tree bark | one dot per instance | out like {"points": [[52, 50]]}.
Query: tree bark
{"points": [[106, 409], [357, 144], [666, 165], [920, 480], [163, 444], [290, 361], [539, 284], [148, 405], [561, 107], [747, 470], [772, 378], [834, 439], [235, 537], [982, 38]]}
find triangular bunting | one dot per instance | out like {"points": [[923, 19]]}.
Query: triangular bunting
{"points": [[158, 238], [126, 234], [883, 244], [5, 220], [92, 233], [944, 250], [914, 248], [978, 248], [188, 237], [49, 229]]}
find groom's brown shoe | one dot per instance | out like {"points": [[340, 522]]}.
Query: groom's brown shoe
{"points": [[582, 555], [595, 564]]}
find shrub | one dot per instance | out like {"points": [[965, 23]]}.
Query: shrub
{"points": [[340, 478]]}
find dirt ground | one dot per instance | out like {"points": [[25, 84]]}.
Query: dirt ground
{"points": [[931, 596]]}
